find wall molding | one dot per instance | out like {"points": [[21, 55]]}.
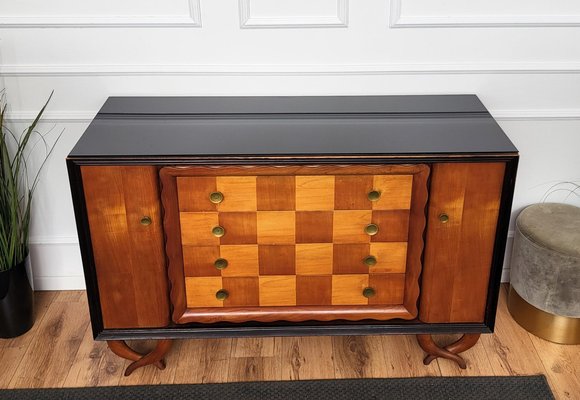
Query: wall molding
{"points": [[338, 20], [52, 116], [564, 114], [398, 20], [53, 240], [555, 114], [67, 70], [191, 20]]}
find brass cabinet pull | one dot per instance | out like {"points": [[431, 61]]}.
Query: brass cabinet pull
{"points": [[371, 229], [221, 294], [218, 231], [374, 195], [216, 197], [368, 292], [221, 263], [370, 261], [146, 220], [444, 218]]}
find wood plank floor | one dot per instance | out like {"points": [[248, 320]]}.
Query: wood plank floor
{"points": [[59, 352]]}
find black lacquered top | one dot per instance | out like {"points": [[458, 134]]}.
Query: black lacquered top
{"points": [[291, 126]]}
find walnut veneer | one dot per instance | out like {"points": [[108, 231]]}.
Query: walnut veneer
{"points": [[291, 216]]}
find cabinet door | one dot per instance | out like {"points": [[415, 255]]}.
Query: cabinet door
{"points": [[461, 227], [293, 242], [125, 223]]}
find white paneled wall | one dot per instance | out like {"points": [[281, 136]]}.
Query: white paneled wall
{"points": [[521, 57], [489, 13]]}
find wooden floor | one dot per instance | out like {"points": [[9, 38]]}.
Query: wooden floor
{"points": [[59, 352]]}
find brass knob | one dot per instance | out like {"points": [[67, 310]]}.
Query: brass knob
{"points": [[221, 263], [369, 292], [218, 231], [371, 229], [216, 197], [374, 195], [221, 294], [444, 218], [370, 261], [146, 220]]}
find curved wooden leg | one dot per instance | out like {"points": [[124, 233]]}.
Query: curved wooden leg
{"points": [[450, 351], [155, 357]]}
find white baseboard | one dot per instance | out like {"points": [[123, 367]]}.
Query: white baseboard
{"points": [[56, 263], [59, 282]]}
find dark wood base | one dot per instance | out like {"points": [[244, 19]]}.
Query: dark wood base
{"points": [[451, 351], [155, 356]]}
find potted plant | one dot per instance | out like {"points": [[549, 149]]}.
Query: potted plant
{"points": [[17, 185]]}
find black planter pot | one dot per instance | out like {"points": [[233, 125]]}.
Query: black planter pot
{"points": [[16, 302]]}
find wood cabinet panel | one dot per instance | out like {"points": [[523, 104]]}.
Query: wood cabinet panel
{"points": [[330, 247], [459, 251], [129, 256]]}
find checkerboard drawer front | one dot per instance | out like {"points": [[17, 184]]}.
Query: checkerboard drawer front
{"points": [[294, 243], [295, 290]]}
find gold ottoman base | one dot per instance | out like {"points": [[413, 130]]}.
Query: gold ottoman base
{"points": [[555, 328]]}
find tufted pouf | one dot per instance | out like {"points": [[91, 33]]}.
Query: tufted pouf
{"points": [[545, 272]]}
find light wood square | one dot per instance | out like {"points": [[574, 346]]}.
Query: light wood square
{"points": [[276, 227], [239, 193], [314, 193], [395, 192], [349, 226], [196, 228], [348, 289], [391, 257], [200, 292], [242, 260], [278, 290], [314, 259]]}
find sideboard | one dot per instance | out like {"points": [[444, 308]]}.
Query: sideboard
{"points": [[271, 216]]}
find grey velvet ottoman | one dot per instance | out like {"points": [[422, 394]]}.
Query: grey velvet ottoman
{"points": [[545, 272]]}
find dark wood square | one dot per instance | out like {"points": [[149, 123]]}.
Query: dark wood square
{"points": [[277, 259], [389, 288], [276, 193], [242, 291], [241, 227], [193, 193], [348, 258], [313, 290], [314, 226], [350, 192], [199, 260], [393, 226]]}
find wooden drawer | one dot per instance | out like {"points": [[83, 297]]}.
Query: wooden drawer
{"points": [[294, 243]]}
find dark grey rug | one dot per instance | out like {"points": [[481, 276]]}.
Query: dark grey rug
{"points": [[512, 388]]}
